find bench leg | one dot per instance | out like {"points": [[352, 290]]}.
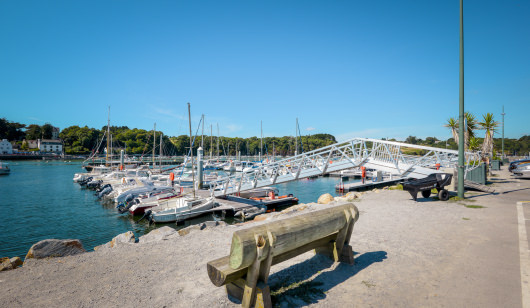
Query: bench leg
{"points": [[249, 293], [339, 250], [347, 255], [263, 294]]}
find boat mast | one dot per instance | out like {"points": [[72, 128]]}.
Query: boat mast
{"points": [[202, 132], [154, 145], [160, 152], [211, 141], [261, 141], [191, 151], [108, 139], [296, 138], [217, 141]]}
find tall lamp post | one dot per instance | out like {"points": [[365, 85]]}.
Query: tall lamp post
{"points": [[502, 156], [461, 149]]}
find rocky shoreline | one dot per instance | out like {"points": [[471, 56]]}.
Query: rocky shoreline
{"points": [[55, 248]]}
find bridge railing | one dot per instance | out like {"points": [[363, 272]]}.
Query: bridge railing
{"points": [[384, 155]]}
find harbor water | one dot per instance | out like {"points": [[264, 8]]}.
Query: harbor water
{"points": [[39, 200]]}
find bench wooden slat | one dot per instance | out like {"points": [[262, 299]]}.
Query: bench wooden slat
{"points": [[221, 273]]}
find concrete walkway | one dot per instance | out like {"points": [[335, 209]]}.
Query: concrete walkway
{"points": [[429, 253]]}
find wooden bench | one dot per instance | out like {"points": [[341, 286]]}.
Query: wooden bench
{"points": [[254, 250]]}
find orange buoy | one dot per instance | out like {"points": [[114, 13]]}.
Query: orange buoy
{"points": [[363, 171], [121, 167], [437, 166], [171, 176]]}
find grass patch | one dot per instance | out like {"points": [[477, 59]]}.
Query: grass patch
{"points": [[307, 291], [469, 206], [396, 187], [465, 218], [457, 199]]}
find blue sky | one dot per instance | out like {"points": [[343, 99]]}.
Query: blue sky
{"points": [[349, 68]]}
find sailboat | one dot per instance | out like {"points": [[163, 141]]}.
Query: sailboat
{"points": [[185, 207]]}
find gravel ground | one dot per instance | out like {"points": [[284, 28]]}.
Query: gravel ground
{"points": [[408, 254]]}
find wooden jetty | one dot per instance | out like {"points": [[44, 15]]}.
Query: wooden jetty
{"points": [[231, 204], [346, 174], [359, 186]]}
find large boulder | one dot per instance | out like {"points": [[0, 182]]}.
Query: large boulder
{"points": [[16, 262], [325, 199], [187, 230], [159, 234], [5, 264], [126, 238], [52, 248]]}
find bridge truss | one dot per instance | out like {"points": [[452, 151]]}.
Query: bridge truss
{"points": [[387, 156]]}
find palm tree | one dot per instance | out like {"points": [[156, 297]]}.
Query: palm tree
{"points": [[452, 123], [474, 144], [471, 125], [489, 125]]}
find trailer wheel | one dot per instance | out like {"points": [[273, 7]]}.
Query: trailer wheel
{"points": [[426, 193], [443, 195]]}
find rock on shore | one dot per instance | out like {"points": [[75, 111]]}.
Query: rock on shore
{"points": [[55, 248]]}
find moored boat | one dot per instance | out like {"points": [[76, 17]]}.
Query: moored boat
{"points": [[4, 168], [185, 208]]}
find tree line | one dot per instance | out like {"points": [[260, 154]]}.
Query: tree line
{"points": [[85, 140]]}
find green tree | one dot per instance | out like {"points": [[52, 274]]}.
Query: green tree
{"points": [[471, 126], [47, 131], [452, 124], [490, 126], [33, 132]]}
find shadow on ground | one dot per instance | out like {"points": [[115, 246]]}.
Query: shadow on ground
{"points": [[509, 191], [291, 287]]}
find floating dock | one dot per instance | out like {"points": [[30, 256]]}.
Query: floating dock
{"points": [[231, 203]]}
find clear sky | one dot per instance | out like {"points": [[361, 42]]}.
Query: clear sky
{"points": [[349, 68]]}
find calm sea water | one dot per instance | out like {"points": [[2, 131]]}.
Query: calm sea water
{"points": [[39, 200]]}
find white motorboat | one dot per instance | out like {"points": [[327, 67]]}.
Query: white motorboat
{"points": [[185, 208], [96, 171], [258, 192], [143, 202]]}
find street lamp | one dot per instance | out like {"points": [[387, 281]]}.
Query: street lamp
{"points": [[502, 156], [461, 149]]}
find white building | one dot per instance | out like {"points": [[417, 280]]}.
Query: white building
{"points": [[6, 147], [50, 146], [55, 133]]}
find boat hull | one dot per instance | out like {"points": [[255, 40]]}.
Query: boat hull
{"points": [[181, 214]]}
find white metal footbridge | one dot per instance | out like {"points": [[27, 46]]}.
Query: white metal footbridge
{"points": [[386, 156]]}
